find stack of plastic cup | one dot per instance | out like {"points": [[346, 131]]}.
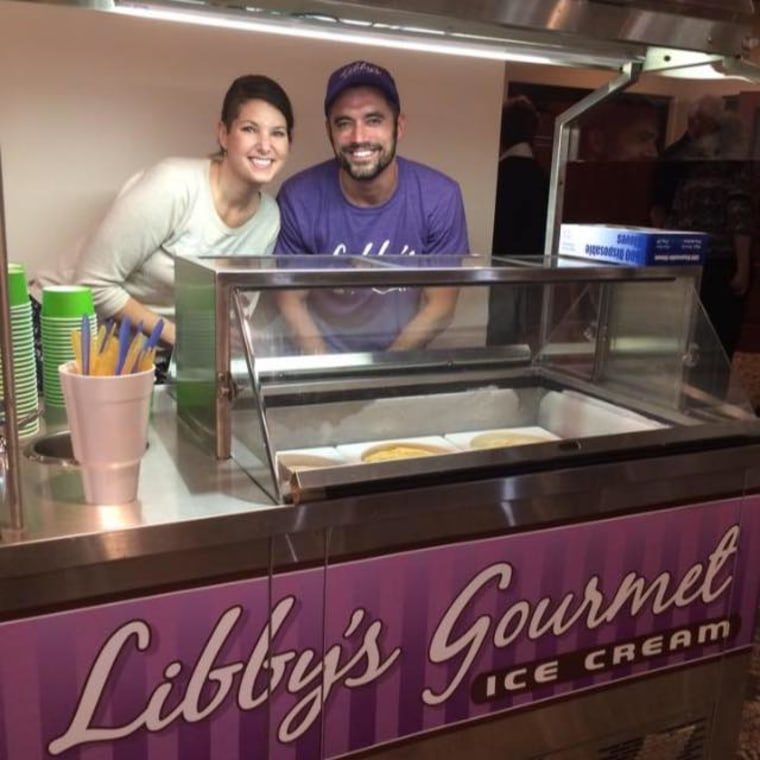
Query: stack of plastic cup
{"points": [[22, 342], [63, 307]]}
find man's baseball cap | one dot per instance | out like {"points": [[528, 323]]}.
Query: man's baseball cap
{"points": [[361, 74]]}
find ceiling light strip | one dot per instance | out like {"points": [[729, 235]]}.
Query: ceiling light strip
{"points": [[295, 27]]}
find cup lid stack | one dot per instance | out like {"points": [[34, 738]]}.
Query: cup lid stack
{"points": [[22, 342]]}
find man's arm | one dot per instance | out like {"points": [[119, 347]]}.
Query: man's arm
{"points": [[293, 303], [293, 307], [741, 223], [741, 278], [668, 174], [434, 315], [447, 236]]}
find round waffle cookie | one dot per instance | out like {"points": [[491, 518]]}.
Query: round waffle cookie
{"points": [[387, 452], [298, 462], [497, 439]]}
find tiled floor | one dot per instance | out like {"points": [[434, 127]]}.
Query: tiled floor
{"points": [[747, 372], [749, 739]]}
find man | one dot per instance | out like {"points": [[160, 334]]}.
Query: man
{"points": [[703, 185], [368, 201], [622, 129], [522, 196], [522, 188], [699, 141], [610, 181]]}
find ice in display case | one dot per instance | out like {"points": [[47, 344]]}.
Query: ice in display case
{"points": [[543, 361]]}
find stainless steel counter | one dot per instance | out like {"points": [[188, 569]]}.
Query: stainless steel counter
{"points": [[188, 505], [178, 482], [199, 521]]}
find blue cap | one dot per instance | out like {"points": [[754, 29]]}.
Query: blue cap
{"points": [[361, 74]]}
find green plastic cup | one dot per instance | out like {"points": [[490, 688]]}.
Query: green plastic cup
{"points": [[18, 293], [67, 301]]}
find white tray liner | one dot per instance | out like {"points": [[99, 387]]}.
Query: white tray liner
{"points": [[569, 414], [464, 440]]}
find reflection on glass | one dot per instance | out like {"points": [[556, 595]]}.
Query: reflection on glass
{"points": [[356, 318], [628, 127], [674, 154], [647, 341]]}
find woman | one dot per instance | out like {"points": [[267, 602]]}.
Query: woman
{"points": [[211, 206]]}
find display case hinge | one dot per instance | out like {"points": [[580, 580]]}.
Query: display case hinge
{"points": [[226, 386]]}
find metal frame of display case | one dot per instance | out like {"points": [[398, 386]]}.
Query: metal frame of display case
{"points": [[208, 393], [205, 303]]}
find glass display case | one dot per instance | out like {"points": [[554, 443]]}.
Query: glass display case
{"points": [[575, 362]]}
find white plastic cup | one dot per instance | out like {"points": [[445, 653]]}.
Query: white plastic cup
{"points": [[108, 419]]}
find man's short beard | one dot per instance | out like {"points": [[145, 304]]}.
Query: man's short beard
{"points": [[367, 173]]}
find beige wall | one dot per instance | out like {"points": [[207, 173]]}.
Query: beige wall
{"points": [[87, 98]]}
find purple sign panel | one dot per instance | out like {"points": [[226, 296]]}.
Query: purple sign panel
{"points": [[327, 661]]}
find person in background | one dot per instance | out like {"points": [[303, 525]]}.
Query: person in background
{"points": [[522, 196], [622, 129], [522, 187], [368, 201], [705, 188], [699, 141], [212, 206], [610, 178]]}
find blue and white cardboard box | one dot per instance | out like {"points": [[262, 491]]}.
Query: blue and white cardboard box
{"points": [[633, 246]]}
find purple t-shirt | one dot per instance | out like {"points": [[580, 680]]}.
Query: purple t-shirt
{"points": [[425, 215]]}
